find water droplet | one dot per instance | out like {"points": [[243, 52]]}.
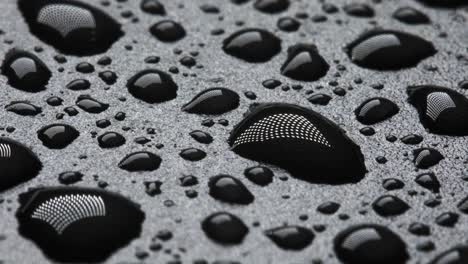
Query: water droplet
{"points": [[359, 10], [109, 77], [389, 205], [140, 161], [309, 147], [152, 86], [426, 157], [225, 228], [201, 137], [288, 24], [153, 7], [428, 181], [111, 140], [259, 175], [389, 50], [213, 101], [291, 237], [17, 163], [23, 108], [70, 177], [366, 244], [57, 136], [168, 31], [419, 229], [25, 71], [392, 184], [304, 63], [410, 16], [319, 99], [192, 154], [252, 45], [456, 255], [91, 105], [444, 3], [78, 224], [230, 190], [375, 110], [448, 219], [72, 27], [328, 208], [78, 85], [412, 139], [271, 6], [441, 110]]}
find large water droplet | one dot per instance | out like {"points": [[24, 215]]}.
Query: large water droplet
{"points": [[140, 161], [375, 110], [370, 244], [230, 190], [213, 101], [78, 224], [299, 140], [441, 110], [72, 27], [225, 228], [389, 50], [25, 71], [252, 45], [444, 3], [304, 63], [57, 136], [152, 86], [291, 237]]}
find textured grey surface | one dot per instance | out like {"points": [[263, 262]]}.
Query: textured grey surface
{"points": [[173, 126]]}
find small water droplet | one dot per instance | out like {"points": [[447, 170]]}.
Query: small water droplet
{"points": [[225, 228], [375, 110], [426, 157], [23, 108], [152, 86], [111, 140], [272, 6], [230, 190], [411, 16], [57, 136], [168, 31], [259, 175], [192, 154], [91, 105], [140, 161], [291, 237]]}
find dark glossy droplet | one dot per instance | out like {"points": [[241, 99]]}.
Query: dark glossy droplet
{"points": [[109, 77], [304, 63], [441, 110], [153, 7], [192, 154], [271, 6], [428, 181], [444, 3], [389, 50], [78, 85], [57, 136], [392, 184], [370, 244], [23, 108], [213, 101], [309, 146], [91, 105], [419, 229], [25, 71], [375, 110], [389, 205], [252, 45], [259, 175], [411, 16], [111, 140], [72, 27], [291, 237], [225, 228], [168, 31], [84, 67], [456, 255], [328, 208], [463, 206], [319, 99], [140, 161], [79, 225], [18, 163], [230, 190], [412, 139], [201, 137], [288, 24], [70, 177], [152, 86], [426, 157], [359, 10], [447, 219]]}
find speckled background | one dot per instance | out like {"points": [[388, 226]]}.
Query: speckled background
{"points": [[173, 126]]}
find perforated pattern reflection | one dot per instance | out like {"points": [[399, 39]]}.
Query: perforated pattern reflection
{"points": [[204, 96], [66, 18], [5, 151], [373, 44], [282, 126], [437, 103], [23, 66], [421, 156], [356, 239], [62, 211], [368, 106]]}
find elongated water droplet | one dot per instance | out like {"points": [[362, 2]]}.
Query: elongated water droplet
{"points": [[213, 101], [225, 228], [411, 16], [91, 105], [426, 157], [271, 6], [291, 237], [140, 161], [375, 110], [23, 108]]}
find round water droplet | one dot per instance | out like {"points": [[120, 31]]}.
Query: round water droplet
{"points": [[252, 45], [225, 228], [140, 161], [288, 24], [72, 27], [168, 31], [111, 140], [375, 110], [57, 136], [152, 86], [304, 63], [23, 108], [291, 237], [213, 101], [389, 205], [230, 190], [25, 71], [389, 50], [153, 7]]}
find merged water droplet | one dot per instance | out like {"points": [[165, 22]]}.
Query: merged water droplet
{"points": [[111, 140], [140, 161], [291, 237], [389, 50], [230, 190], [78, 224], [213, 101], [426, 157], [152, 86], [168, 31], [72, 27], [91, 105], [389, 205], [57, 136], [370, 244], [271, 6], [23, 108], [456, 255], [18, 163], [375, 110], [411, 16], [300, 141], [252, 45], [225, 228], [441, 110], [304, 63], [25, 71]]}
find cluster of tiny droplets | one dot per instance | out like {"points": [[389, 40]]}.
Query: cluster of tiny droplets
{"points": [[282, 126], [62, 211]]}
